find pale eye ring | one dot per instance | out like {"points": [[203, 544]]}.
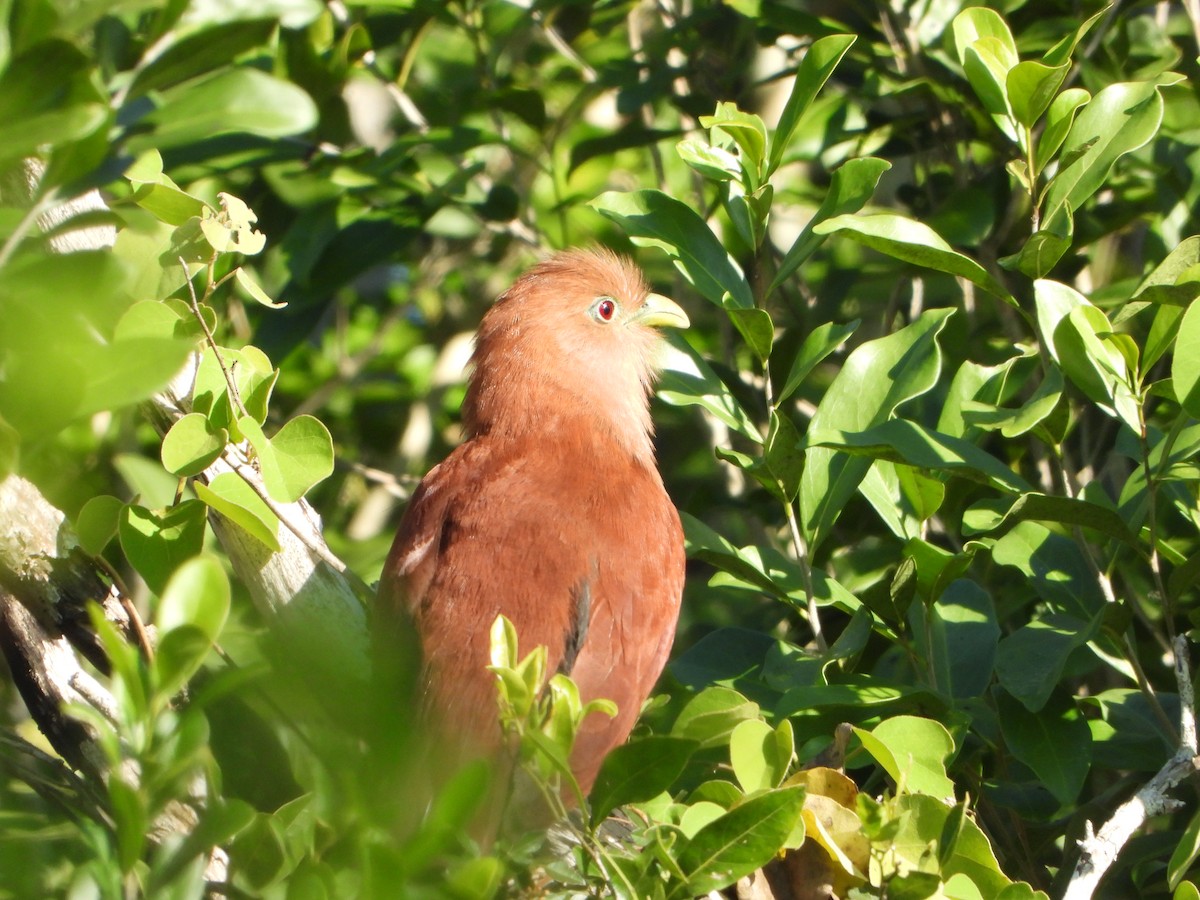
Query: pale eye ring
{"points": [[604, 309]]}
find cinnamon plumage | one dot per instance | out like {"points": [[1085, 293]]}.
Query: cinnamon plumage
{"points": [[552, 512]]}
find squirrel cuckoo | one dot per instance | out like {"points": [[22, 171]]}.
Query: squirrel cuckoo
{"points": [[552, 512]]}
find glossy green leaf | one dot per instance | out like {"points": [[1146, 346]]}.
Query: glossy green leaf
{"points": [[1030, 661], [756, 328], [652, 218], [875, 379], [1118, 120], [97, 522], [241, 100], [902, 441], [814, 70], [639, 770], [960, 639], [913, 242], [1060, 116], [1185, 853], [784, 458], [740, 841], [1031, 87], [715, 163], [760, 755], [987, 63], [192, 445], [1054, 742], [1185, 363], [852, 185], [1040, 254], [979, 22], [913, 751], [818, 344], [158, 542], [924, 821], [1073, 511], [299, 456], [686, 379], [230, 496], [710, 717], [1054, 566], [747, 131]]}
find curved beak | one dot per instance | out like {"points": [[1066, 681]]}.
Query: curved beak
{"points": [[661, 312]]}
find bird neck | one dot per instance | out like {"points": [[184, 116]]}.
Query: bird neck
{"points": [[570, 412]]}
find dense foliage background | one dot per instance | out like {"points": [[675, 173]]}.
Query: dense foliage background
{"points": [[933, 432]]}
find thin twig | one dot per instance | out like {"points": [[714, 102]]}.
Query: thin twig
{"points": [[234, 396]]}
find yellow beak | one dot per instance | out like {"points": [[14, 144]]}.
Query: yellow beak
{"points": [[661, 312]]}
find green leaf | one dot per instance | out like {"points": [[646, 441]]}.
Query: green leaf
{"points": [[190, 617], [784, 458], [900, 440], [1185, 362], [923, 822], [196, 596], [748, 132], [131, 820], [192, 445], [97, 523], [714, 163], [652, 218], [1059, 118], [1073, 511], [157, 542], [977, 23], [760, 755], [1062, 51], [913, 242], [711, 716], [1030, 661], [242, 100], [200, 53], [814, 70], [687, 380], [1031, 87], [875, 379], [913, 751], [639, 770], [47, 98], [1095, 363], [818, 344], [852, 185], [229, 495], [987, 63], [740, 841], [756, 327], [962, 635], [1118, 120], [1185, 853], [1054, 566], [1054, 742], [299, 456]]}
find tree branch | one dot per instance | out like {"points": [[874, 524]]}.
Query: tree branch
{"points": [[1098, 850]]}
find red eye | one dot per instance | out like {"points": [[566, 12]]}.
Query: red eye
{"points": [[606, 309]]}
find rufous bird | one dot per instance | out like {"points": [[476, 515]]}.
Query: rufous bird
{"points": [[552, 512]]}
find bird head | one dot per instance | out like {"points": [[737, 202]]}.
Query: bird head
{"points": [[575, 339]]}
